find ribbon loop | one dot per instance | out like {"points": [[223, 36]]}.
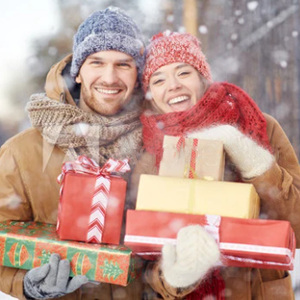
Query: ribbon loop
{"points": [[86, 165]]}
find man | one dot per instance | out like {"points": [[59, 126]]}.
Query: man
{"points": [[97, 116]]}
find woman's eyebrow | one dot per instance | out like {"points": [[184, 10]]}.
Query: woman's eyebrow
{"points": [[156, 74], [182, 66], [176, 68]]}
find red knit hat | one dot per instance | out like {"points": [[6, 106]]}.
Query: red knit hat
{"points": [[170, 47]]}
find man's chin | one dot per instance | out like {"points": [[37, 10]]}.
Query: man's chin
{"points": [[109, 111]]}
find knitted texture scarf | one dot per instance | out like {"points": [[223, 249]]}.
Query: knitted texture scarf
{"points": [[210, 288], [81, 133], [223, 103]]}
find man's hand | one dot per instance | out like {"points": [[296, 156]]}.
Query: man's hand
{"points": [[51, 280], [251, 159], [189, 261]]}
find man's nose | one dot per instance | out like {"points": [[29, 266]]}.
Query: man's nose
{"points": [[109, 75]]}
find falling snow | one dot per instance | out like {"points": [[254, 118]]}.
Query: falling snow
{"points": [[238, 12], [170, 18], [81, 129], [160, 125], [234, 37], [148, 95], [241, 21], [182, 29], [252, 5], [280, 57], [283, 64], [203, 29]]}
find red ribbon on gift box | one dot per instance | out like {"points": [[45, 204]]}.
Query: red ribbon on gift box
{"points": [[86, 165], [181, 143]]}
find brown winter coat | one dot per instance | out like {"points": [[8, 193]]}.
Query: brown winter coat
{"points": [[29, 168], [280, 199]]}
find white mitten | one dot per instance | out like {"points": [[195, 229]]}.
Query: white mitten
{"points": [[251, 159], [195, 253]]}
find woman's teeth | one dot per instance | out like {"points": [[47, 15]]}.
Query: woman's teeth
{"points": [[178, 99]]}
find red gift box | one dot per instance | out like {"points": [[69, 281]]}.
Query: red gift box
{"points": [[91, 201], [252, 243]]}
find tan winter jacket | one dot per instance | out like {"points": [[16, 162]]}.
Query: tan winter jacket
{"points": [[278, 189], [29, 168]]}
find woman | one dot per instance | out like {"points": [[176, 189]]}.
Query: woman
{"points": [[183, 100]]}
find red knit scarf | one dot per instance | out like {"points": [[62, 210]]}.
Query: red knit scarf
{"points": [[223, 103], [211, 288]]}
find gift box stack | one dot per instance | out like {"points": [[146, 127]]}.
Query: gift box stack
{"points": [[189, 190], [91, 211]]}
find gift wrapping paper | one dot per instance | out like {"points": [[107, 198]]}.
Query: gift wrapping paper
{"points": [[243, 243], [91, 204], [192, 158], [193, 196], [27, 245]]}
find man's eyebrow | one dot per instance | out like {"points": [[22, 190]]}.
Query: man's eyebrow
{"points": [[95, 57], [126, 60]]}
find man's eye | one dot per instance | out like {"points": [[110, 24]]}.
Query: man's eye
{"points": [[124, 65], [96, 62]]}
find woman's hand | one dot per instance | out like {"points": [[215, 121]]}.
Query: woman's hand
{"points": [[187, 263], [250, 159]]}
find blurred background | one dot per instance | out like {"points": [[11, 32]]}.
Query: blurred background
{"points": [[254, 44]]}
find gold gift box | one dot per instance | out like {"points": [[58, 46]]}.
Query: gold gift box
{"points": [[193, 196], [209, 158]]}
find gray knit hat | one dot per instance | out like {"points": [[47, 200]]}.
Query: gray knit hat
{"points": [[108, 29]]}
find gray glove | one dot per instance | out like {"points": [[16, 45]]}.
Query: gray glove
{"points": [[51, 280]]}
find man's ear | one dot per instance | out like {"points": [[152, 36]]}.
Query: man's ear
{"points": [[78, 79]]}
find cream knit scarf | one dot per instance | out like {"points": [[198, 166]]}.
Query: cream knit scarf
{"points": [[81, 133]]}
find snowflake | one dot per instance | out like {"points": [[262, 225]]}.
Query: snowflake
{"points": [[234, 36], [241, 21], [252, 5], [203, 29], [170, 18]]}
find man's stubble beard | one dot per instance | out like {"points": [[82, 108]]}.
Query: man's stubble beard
{"points": [[92, 103]]}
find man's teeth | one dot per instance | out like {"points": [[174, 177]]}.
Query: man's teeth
{"points": [[178, 99], [107, 91]]}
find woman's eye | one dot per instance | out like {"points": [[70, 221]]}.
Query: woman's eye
{"points": [[158, 81], [184, 73]]}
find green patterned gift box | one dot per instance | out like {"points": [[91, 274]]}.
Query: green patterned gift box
{"points": [[27, 245]]}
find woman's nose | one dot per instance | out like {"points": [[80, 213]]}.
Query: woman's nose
{"points": [[174, 84]]}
